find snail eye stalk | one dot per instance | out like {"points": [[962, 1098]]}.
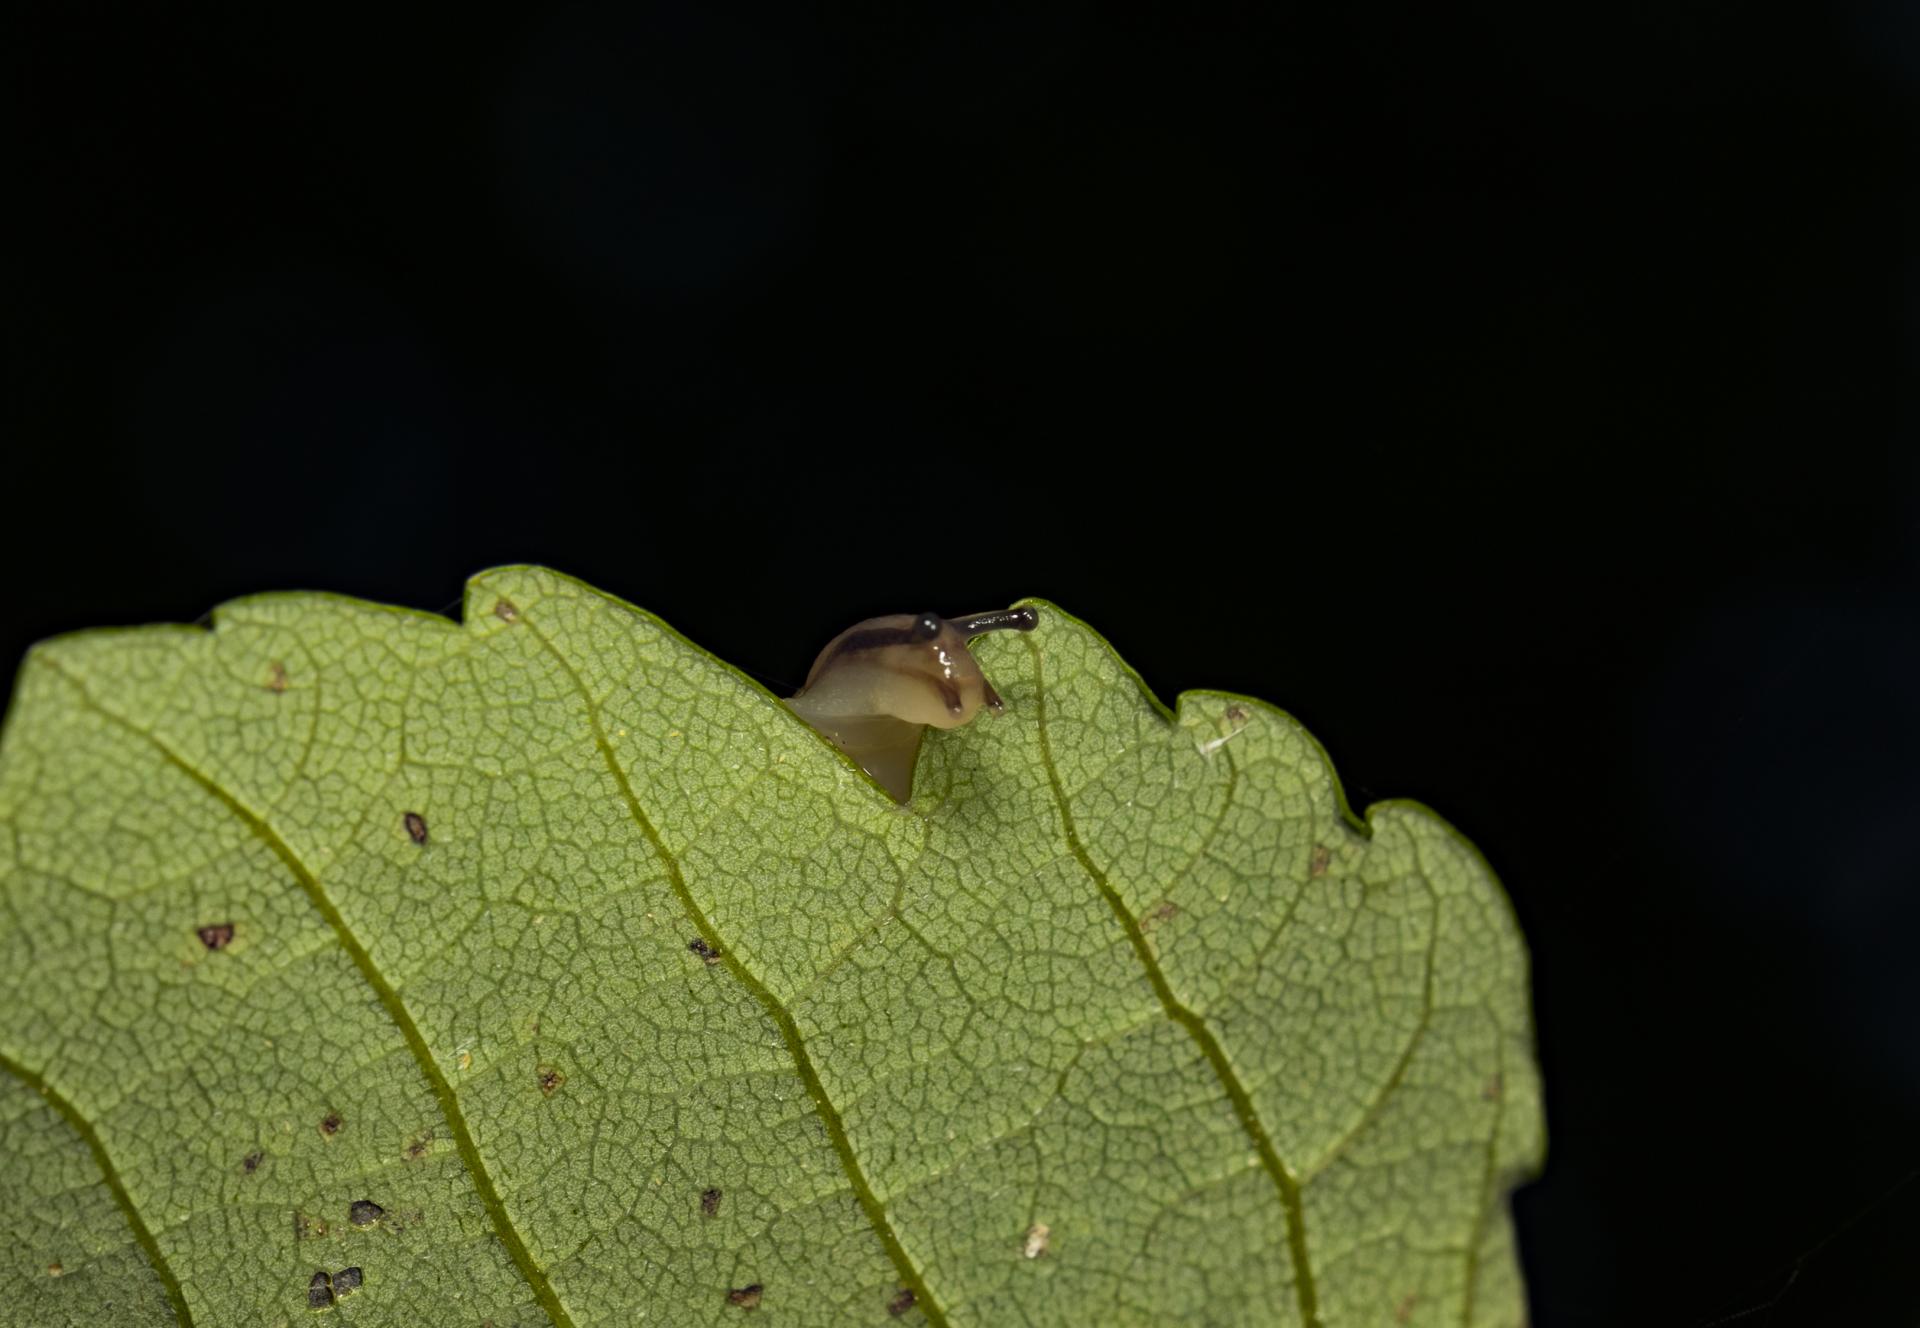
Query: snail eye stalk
{"points": [[997, 620]]}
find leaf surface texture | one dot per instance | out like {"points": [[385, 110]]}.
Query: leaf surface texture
{"points": [[548, 971]]}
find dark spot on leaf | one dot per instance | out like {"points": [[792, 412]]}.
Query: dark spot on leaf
{"points": [[709, 1202], [320, 1291], [251, 1162], [1236, 713], [1164, 911], [276, 677], [417, 1148], [330, 1124], [706, 952], [1404, 1310], [364, 1212], [215, 936], [308, 1228], [746, 1297], [1317, 865], [416, 827], [550, 1079], [55, 1269], [504, 611], [903, 1300], [346, 1281], [1494, 1086]]}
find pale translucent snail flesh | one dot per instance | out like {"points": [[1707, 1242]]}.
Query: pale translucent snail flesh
{"points": [[878, 685]]}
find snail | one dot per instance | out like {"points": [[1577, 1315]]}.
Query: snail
{"points": [[875, 688]]}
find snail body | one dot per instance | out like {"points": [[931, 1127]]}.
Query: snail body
{"points": [[878, 685]]}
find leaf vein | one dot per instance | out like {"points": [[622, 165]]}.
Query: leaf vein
{"points": [[388, 997], [1372, 1109], [776, 1011], [108, 1173], [1180, 1013]]}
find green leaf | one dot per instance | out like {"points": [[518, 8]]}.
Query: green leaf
{"points": [[548, 971]]}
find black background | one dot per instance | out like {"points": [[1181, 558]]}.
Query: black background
{"points": [[1512, 395]]}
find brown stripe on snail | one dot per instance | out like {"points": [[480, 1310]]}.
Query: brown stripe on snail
{"points": [[878, 685]]}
